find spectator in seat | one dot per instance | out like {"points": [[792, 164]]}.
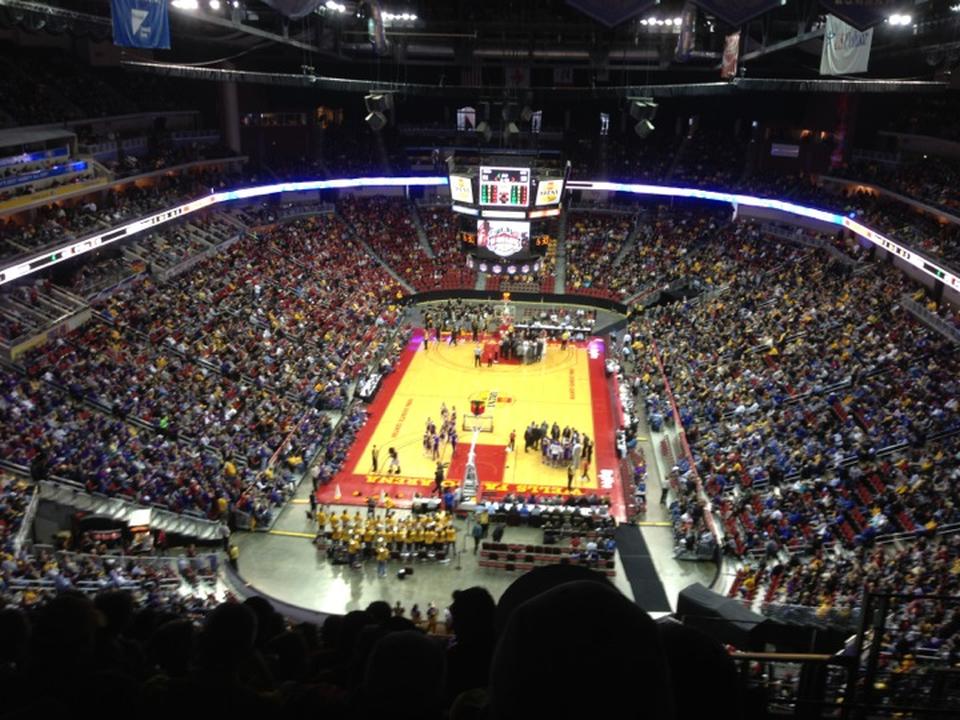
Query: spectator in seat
{"points": [[468, 657]]}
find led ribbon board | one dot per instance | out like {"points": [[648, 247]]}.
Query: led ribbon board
{"points": [[56, 255], [928, 267]]}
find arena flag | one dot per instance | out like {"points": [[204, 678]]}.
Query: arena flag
{"points": [[862, 14], [140, 23], [846, 50], [731, 55]]}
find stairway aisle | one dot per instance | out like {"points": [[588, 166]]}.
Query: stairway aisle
{"points": [[560, 285], [424, 242]]}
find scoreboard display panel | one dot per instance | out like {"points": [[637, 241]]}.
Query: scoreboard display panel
{"points": [[505, 186], [503, 238]]}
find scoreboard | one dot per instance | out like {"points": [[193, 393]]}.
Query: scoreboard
{"points": [[508, 210], [504, 186]]}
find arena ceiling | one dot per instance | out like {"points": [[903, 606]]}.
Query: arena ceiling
{"points": [[515, 43]]}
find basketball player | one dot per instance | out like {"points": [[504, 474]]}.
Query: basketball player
{"points": [[394, 464]]}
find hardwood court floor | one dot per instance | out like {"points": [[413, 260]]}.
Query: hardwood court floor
{"points": [[567, 386]]}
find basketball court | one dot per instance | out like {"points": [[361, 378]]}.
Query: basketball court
{"points": [[567, 387]]}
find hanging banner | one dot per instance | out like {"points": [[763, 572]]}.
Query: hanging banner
{"points": [[140, 23], [731, 54], [737, 12], [687, 38], [862, 14], [612, 12], [846, 50]]}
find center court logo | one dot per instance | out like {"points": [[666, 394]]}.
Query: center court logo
{"points": [[487, 400]]}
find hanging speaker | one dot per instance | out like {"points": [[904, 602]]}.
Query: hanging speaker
{"points": [[377, 103], [377, 121], [643, 128]]}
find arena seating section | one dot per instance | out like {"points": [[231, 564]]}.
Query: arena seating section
{"points": [[822, 418]]}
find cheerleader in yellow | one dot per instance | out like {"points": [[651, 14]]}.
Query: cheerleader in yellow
{"points": [[450, 537], [429, 538], [353, 549], [401, 538]]}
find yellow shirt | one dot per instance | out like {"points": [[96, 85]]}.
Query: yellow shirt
{"points": [[383, 553]]}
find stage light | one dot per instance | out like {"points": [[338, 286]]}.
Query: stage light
{"points": [[185, 4], [214, 5], [898, 20], [334, 6]]}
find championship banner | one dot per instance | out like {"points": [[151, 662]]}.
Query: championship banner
{"points": [[738, 12], [140, 23], [731, 55], [612, 12], [862, 14], [846, 50]]}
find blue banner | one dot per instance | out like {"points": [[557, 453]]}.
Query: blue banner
{"points": [[141, 23], [23, 178]]}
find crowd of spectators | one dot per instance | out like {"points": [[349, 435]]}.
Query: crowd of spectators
{"points": [[186, 585], [932, 180], [199, 390], [15, 496], [387, 226], [475, 657], [59, 437], [593, 243], [820, 415], [440, 225], [56, 223]]}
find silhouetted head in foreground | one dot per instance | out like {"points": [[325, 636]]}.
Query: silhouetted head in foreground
{"points": [[578, 630]]}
